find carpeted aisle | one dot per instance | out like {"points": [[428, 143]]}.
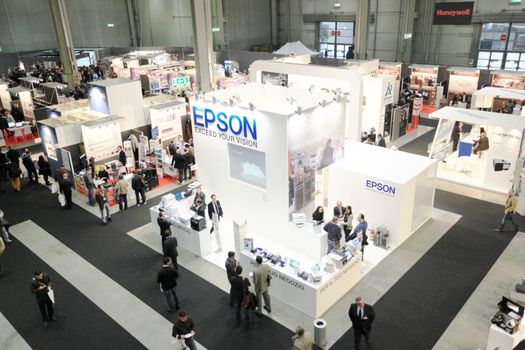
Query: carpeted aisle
{"points": [[416, 311], [134, 266]]}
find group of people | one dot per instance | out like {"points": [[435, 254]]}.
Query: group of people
{"points": [[182, 159], [10, 167], [342, 223]]}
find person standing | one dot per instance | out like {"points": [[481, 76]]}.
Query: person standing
{"points": [[3, 165], [65, 186], [190, 160], [121, 188], [44, 169], [4, 225], [339, 210], [362, 316], [167, 278], [137, 183], [180, 165], [2, 250], [170, 250], [14, 172], [122, 157], [13, 155], [301, 340], [40, 286], [199, 194], [215, 213], [334, 234], [184, 329], [347, 222], [361, 228], [90, 185], [510, 208], [261, 279], [239, 288], [230, 265], [30, 166], [199, 208], [318, 215], [165, 227], [457, 132], [101, 198], [381, 141]]}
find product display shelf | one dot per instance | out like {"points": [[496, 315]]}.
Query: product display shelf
{"points": [[311, 298]]}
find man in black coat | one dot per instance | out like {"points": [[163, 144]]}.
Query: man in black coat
{"points": [[165, 226], [13, 155], [230, 265], [122, 157], [362, 316], [65, 186], [180, 164], [40, 286], [170, 250], [137, 183], [30, 166], [239, 287], [167, 278]]}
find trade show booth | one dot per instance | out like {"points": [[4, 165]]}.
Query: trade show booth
{"points": [[392, 189], [508, 79], [424, 82], [394, 69], [492, 161], [497, 100], [462, 81]]}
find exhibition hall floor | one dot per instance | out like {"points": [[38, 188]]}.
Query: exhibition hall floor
{"points": [[447, 277]]}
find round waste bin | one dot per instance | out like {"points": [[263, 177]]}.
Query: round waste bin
{"points": [[320, 332]]}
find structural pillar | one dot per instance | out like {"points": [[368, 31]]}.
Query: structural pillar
{"points": [[363, 10], [65, 43], [273, 15], [407, 29], [202, 43]]}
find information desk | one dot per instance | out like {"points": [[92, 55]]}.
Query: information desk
{"points": [[197, 242], [314, 299]]}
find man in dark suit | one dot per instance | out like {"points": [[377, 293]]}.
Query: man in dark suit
{"points": [[230, 265], [362, 316], [170, 250], [215, 213]]}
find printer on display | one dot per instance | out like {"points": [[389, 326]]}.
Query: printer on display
{"points": [[198, 223]]}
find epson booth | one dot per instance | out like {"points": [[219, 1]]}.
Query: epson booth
{"points": [[273, 154]]}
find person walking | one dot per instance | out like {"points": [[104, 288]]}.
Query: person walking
{"points": [[230, 265], [121, 188], [44, 169], [4, 225], [215, 213], [41, 286], [301, 340], [137, 184], [101, 197], [2, 250], [362, 316], [510, 209], [334, 234], [180, 164], [184, 329], [65, 186], [167, 278], [165, 227], [239, 288], [30, 166], [261, 279], [13, 155], [170, 250], [90, 185], [14, 172]]}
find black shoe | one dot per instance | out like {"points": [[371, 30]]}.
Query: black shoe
{"points": [[258, 313], [46, 324], [267, 309], [53, 319], [109, 219], [103, 223], [171, 310]]}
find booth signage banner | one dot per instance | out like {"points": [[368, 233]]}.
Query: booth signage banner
{"points": [[98, 100], [388, 92], [456, 13], [219, 123], [101, 141], [417, 106]]}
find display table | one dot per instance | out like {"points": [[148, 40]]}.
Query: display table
{"points": [[314, 299], [197, 242]]}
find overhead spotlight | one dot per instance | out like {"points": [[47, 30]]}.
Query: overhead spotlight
{"points": [[291, 100], [311, 88], [299, 110], [215, 100], [252, 106], [323, 103]]}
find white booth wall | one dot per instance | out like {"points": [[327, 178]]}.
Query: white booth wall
{"points": [[405, 197]]}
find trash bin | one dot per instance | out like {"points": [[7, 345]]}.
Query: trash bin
{"points": [[320, 332]]}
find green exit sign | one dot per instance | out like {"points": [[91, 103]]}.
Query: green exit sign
{"points": [[181, 80], [515, 2]]}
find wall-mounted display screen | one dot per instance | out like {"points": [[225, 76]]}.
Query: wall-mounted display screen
{"points": [[247, 165]]}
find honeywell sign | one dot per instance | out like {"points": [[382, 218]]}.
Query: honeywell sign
{"points": [[455, 13]]}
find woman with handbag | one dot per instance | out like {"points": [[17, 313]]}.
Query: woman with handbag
{"points": [[5, 227]]}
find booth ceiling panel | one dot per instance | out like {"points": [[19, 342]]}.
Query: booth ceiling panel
{"points": [[329, 17], [516, 94], [470, 116]]}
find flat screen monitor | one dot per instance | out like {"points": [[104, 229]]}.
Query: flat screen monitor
{"points": [[247, 165], [294, 264], [19, 124], [11, 125]]}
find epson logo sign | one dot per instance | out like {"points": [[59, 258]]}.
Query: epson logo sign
{"points": [[381, 188]]}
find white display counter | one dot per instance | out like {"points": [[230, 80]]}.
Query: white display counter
{"points": [[314, 299], [197, 242], [390, 188], [501, 340]]}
